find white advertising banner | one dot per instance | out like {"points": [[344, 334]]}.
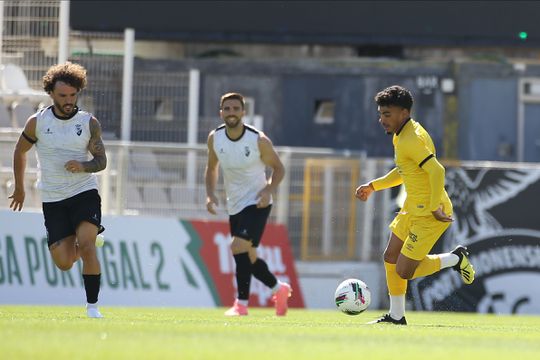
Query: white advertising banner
{"points": [[144, 262]]}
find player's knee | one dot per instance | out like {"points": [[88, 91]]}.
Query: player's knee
{"points": [[238, 247], [86, 248], [64, 264], [405, 274], [390, 257]]}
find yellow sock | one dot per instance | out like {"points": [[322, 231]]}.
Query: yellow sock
{"points": [[396, 285], [429, 265]]}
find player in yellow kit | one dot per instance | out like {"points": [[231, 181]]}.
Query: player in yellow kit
{"points": [[427, 211]]}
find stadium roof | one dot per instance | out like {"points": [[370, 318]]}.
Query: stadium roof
{"points": [[491, 23]]}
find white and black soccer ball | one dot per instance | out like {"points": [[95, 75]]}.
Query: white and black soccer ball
{"points": [[352, 296]]}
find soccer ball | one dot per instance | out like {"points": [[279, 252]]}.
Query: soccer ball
{"points": [[352, 296]]}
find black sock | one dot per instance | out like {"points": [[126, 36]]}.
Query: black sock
{"points": [[243, 275], [261, 273], [91, 285]]}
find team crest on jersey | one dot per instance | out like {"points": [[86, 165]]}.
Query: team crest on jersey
{"points": [[247, 151], [79, 129]]}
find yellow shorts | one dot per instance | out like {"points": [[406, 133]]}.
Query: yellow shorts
{"points": [[419, 233]]}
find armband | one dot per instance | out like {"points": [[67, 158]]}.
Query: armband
{"points": [[28, 138]]}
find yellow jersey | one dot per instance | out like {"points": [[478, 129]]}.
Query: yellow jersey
{"points": [[413, 147]]}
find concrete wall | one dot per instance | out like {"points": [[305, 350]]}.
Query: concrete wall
{"points": [[319, 281]]}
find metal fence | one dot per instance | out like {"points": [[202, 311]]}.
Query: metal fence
{"points": [[30, 41], [315, 200], [166, 178], [30, 36]]}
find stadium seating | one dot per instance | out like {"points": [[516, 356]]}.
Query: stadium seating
{"points": [[5, 118], [14, 86], [20, 112]]}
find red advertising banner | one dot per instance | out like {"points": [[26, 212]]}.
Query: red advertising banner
{"points": [[274, 249]]}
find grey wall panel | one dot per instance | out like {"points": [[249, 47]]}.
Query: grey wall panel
{"points": [[488, 115]]}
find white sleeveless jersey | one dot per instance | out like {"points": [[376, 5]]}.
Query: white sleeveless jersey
{"points": [[243, 170], [59, 141]]}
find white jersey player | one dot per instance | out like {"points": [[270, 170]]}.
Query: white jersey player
{"points": [[70, 149], [243, 153]]}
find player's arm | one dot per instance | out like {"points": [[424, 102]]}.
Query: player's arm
{"points": [[96, 148], [211, 175], [391, 179], [436, 173], [271, 159], [24, 144]]}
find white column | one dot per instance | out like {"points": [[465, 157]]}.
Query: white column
{"points": [[127, 83], [366, 221], [105, 190], [63, 32], [1, 28], [328, 208], [193, 128], [520, 131], [282, 197], [127, 91]]}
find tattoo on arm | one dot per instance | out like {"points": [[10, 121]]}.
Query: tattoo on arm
{"points": [[96, 148]]}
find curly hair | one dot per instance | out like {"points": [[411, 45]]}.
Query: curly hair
{"points": [[395, 95], [72, 74], [232, 96]]}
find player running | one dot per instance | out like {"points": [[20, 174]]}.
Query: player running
{"points": [[427, 211]]}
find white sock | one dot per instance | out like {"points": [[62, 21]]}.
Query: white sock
{"points": [[243, 302], [397, 306], [276, 287], [448, 260], [92, 311]]}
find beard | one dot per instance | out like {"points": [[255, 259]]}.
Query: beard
{"points": [[66, 109], [232, 121]]}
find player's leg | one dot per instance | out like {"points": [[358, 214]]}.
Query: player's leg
{"points": [[60, 235], [397, 286], [240, 250], [86, 213], [240, 246], [91, 272], [64, 252], [281, 291], [457, 259], [413, 260], [427, 232], [86, 235]]}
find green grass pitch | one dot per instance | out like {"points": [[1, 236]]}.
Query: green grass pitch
{"points": [[50, 332]]}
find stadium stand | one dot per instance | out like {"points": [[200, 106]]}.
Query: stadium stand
{"points": [[5, 118], [20, 112], [14, 86]]}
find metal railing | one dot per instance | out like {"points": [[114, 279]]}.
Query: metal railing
{"points": [[166, 177], [315, 200]]}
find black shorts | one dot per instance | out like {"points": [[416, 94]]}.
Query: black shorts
{"points": [[62, 217], [249, 223]]}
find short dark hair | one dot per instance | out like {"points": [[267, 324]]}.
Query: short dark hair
{"points": [[72, 74], [233, 96], [395, 95]]}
